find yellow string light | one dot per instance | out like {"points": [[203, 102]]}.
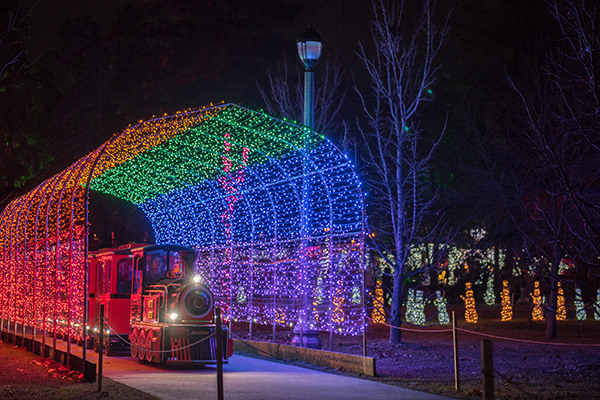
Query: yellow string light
{"points": [[537, 314], [561, 311], [378, 313], [469, 299], [507, 312]]}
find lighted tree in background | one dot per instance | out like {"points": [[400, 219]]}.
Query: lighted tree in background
{"points": [[580, 312], [561, 310], [410, 306], [489, 297], [537, 314], [378, 313], [401, 71], [560, 110], [507, 313], [537, 147], [596, 306]]}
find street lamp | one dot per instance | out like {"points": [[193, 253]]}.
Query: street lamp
{"points": [[309, 50], [310, 45]]}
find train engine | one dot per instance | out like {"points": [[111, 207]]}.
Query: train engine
{"points": [[172, 314]]}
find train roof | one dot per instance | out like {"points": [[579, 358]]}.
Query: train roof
{"points": [[168, 247]]}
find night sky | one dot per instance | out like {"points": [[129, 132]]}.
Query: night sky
{"points": [[97, 67]]}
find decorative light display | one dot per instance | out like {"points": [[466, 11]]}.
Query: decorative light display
{"points": [[563, 267], [420, 255], [410, 306], [507, 313], [580, 312], [537, 314], [378, 313], [455, 260], [337, 314], [597, 306], [561, 310], [489, 297], [441, 303], [478, 233], [225, 180], [501, 259], [469, 299], [418, 314]]}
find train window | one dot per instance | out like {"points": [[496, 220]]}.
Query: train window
{"points": [[103, 276], [99, 276], [124, 275], [156, 266], [176, 266]]}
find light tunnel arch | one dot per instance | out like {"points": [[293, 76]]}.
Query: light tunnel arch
{"points": [[225, 180]]}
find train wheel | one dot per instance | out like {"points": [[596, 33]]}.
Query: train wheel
{"points": [[149, 353], [141, 353], [134, 343]]}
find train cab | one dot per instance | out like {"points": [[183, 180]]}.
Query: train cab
{"points": [[111, 277]]}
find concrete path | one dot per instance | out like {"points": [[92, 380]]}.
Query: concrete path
{"points": [[245, 378], [249, 378]]}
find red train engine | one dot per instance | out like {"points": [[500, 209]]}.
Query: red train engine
{"points": [[169, 313]]}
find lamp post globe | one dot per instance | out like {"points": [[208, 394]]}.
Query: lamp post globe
{"points": [[310, 45]]}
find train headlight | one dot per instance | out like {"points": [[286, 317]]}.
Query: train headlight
{"points": [[197, 279], [197, 302], [173, 316]]}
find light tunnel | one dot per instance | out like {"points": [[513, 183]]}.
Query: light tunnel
{"points": [[273, 208]]}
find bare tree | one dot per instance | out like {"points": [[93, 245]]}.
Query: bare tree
{"points": [[13, 62], [560, 110], [283, 95], [401, 71]]}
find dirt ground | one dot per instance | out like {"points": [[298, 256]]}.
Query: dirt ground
{"points": [[23, 375], [425, 361]]}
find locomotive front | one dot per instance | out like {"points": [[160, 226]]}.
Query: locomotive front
{"points": [[171, 311]]}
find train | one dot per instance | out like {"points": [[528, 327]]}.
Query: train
{"points": [[155, 308]]}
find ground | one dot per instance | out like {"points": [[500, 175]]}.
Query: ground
{"points": [[23, 375], [424, 361]]}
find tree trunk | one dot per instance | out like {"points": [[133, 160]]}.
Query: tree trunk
{"points": [[395, 320], [397, 295]]}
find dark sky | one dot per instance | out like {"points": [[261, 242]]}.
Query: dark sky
{"points": [[48, 14], [342, 23]]}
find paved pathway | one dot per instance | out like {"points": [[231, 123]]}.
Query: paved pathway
{"points": [[248, 378]]}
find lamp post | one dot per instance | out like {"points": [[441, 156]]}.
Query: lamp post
{"points": [[310, 45], [309, 50]]}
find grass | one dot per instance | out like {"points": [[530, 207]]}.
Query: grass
{"points": [[23, 375]]}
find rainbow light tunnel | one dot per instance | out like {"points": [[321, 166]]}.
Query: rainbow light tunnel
{"points": [[228, 181]]}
